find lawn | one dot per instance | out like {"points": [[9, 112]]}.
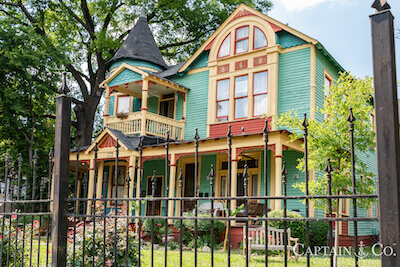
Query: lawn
{"points": [[221, 259]]}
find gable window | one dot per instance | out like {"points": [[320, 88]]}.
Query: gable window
{"points": [[260, 93], [241, 83], [259, 38], [123, 104], [225, 48], [242, 40], [222, 100]]}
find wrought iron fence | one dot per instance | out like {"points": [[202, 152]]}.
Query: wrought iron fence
{"points": [[25, 216]]}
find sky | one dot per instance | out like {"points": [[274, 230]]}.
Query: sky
{"points": [[343, 27]]}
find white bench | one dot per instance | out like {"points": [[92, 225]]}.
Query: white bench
{"points": [[275, 240]]}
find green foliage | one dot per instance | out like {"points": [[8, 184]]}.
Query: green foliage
{"points": [[318, 233], [297, 228], [330, 138], [173, 245], [120, 233], [159, 228]]}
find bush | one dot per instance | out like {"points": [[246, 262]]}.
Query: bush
{"points": [[120, 233], [203, 231], [319, 233], [297, 228], [159, 228]]}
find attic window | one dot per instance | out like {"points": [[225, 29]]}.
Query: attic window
{"points": [[259, 38], [242, 40], [225, 48]]}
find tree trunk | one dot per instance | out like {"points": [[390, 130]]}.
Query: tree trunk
{"points": [[335, 257], [85, 120]]}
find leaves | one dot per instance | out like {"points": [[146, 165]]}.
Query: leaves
{"points": [[330, 138]]}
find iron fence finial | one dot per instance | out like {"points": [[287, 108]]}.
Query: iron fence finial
{"points": [[351, 116], [328, 168], [305, 122], [64, 87], [96, 149], [196, 135], [381, 5]]}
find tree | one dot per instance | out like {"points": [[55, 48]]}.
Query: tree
{"points": [[27, 91], [330, 139], [87, 34]]}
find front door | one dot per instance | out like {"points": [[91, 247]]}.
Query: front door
{"points": [[189, 187]]}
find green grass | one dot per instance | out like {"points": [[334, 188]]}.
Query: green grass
{"points": [[221, 259]]}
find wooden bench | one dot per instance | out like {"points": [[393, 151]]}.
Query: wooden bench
{"points": [[275, 240]]}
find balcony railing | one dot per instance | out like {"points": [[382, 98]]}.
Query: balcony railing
{"points": [[154, 124]]}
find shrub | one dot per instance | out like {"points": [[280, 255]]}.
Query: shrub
{"points": [[173, 245], [111, 232], [319, 233], [159, 228], [297, 228]]}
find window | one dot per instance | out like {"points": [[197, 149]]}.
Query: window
{"points": [[254, 185], [222, 100], [225, 48], [259, 38], [222, 193], [241, 97], [242, 40], [260, 89], [167, 104], [123, 104], [120, 182]]}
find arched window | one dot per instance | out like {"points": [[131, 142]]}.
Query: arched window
{"points": [[242, 40], [259, 38], [225, 48]]}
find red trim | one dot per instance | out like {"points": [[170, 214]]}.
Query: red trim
{"points": [[130, 166], [208, 47], [143, 108], [254, 38], [241, 39], [172, 165], [139, 82], [221, 46], [242, 13], [278, 156], [241, 65], [183, 118], [223, 69], [257, 61], [152, 83], [183, 95], [126, 85], [254, 125], [275, 27], [108, 142], [106, 115]]}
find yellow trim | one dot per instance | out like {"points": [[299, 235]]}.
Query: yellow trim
{"points": [[228, 20], [121, 68], [100, 137], [313, 82], [190, 72]]}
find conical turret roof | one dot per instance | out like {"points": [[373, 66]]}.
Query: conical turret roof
{"points": [[140, 45]]}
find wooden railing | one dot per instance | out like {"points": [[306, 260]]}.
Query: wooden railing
{"points": [[154, 124]]}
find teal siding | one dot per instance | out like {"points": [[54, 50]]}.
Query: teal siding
{"points": [[197, 103], [125, 76], [200, 62], [153, 104], [321, 65], [149, 167], [366, 228], [291, 158], [137, 104], [287, 40], [133, 62], [179, 108], [294, 82], [111, 106], [205, 168]]}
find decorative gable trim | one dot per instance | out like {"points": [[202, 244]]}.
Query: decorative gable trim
{"points": [[108, 142], [105, 136]]}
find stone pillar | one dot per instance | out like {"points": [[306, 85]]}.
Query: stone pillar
{"points": [[278, 174]]}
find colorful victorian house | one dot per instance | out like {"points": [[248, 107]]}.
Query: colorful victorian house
{"points": [[250, 69]]}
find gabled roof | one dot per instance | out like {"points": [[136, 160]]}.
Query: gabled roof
{"points": [[241, 11], [140, 44], [126, 142]]}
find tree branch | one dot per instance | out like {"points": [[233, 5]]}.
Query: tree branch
{"points": [[79, 80], [75, 16], [186, 42], [88, 18], [31, 19], [110, 14], [9, 4]]}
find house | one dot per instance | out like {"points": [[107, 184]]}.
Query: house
{"points": [[250, 69]]}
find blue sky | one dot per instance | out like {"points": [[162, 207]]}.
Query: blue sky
{"points": [[342, 26]]}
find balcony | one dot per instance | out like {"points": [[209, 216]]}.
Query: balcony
{"points": [[146, 123]]}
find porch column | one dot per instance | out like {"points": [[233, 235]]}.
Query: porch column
{"points": [[90, 187], [132, 168], [138, 191], [172, 178], [278, 174], [99, 182], [234, 180], [106, 110], [145, 95]]}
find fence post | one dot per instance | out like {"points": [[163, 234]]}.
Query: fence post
{"points": [[387, 129], [61, 177]]}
